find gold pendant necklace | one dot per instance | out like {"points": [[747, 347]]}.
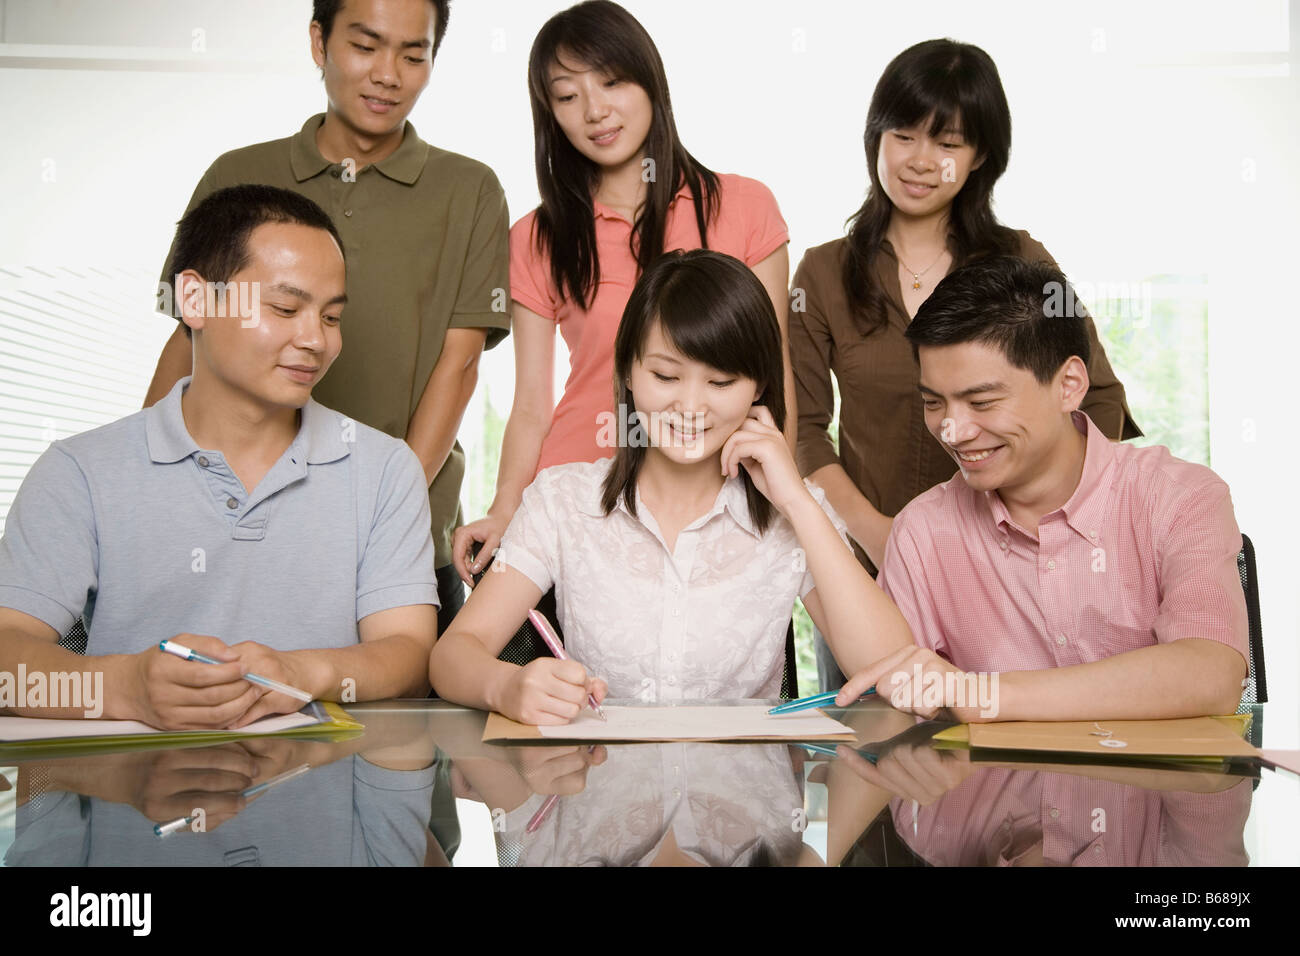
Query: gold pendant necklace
{"points": [[916, 276]]}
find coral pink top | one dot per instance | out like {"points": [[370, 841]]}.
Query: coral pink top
{"points": [[748, 226]]}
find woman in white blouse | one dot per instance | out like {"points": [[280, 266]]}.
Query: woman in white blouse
{"points": [[677, 562]]}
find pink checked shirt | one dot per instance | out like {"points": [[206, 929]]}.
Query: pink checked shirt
{"points": [[1144, 552], [1001, 817]]}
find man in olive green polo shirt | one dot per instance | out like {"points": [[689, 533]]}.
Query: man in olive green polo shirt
{"points": [[425, 234]]}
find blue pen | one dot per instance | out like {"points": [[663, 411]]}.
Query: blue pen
{"points": [[826, 750], [167, 829], [816, 700], [183, 652]]}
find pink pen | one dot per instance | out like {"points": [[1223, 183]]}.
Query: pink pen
{"points": [[543, 627]]}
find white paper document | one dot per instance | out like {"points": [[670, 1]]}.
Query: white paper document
{"points": [[16, 729], [694, 723]]}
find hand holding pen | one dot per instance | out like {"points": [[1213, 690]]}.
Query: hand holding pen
{"points": [[549, 690], [548, 634], [187, 654]]}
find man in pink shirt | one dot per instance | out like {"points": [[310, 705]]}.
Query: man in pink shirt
{"points": [[1057, 576]]}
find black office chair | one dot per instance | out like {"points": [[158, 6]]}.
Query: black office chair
{"points": [[75, 639], [1256, 689], [526, 645]]}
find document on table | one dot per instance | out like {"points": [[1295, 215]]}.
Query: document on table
{"points": [[22, 737], [16, 729], [742, 722]]}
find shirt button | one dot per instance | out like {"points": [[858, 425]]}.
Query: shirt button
{"points": [[672, 655], [1060, 640], [1096, 849], [672, 680], [348, 213], [675, 768], [676, 792], [1054, 813], [203, 461], [232, 504], [1051, 565], [1093, 534], [1003, 544]]}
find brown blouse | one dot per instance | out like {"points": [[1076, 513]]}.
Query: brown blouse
{"points": [[884, 445]]}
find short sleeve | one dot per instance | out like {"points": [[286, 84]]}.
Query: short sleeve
{"points": [[482, 300], [765, 228], [531, 542], [396, 567], [1201, 594], [902, 578], [392, 809], [811, 344], [530, 280], [209, 183], [842, 529], [49, 555]]}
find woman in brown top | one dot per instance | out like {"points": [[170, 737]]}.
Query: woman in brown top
{"points": [[938, 137]]}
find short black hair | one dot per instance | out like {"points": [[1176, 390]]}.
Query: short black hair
{"points": [[324, 12], [1027, 310], [212, 238]]}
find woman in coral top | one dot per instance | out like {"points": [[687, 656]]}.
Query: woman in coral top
{"points": [[618, 188]]}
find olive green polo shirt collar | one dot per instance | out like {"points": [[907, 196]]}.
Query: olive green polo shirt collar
{"points": [[323, 434], [404, 165]]}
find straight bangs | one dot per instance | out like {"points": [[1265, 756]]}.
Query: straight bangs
{"points": [[713, 310], [597, 38], [956, 86], [726, 330]]}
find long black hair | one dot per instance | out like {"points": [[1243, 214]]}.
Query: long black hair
{"points": [[713, 310], [954, 85], [604, 37]]}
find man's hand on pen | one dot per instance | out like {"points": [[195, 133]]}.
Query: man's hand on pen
{"points": [[170, 693], [913, 770], [918, 681], [288, 667]]}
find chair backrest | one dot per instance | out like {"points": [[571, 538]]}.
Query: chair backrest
{"points": [[75, 639], [1256, 690], [527, 645]]}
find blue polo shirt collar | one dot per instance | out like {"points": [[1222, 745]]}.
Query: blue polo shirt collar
{"points": [[323, 435]]}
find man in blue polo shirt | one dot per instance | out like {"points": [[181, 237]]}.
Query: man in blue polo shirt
{"points": [[236, 516]]}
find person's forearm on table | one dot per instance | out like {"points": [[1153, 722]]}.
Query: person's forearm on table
{"points": [[465, 672], [392, 666], [1185, 678]]}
